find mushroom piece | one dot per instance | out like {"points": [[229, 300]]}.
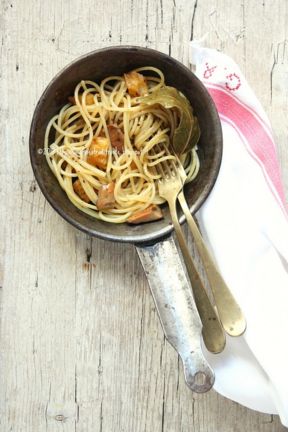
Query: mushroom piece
{"points": [[151, 213], [116, 137], [98, 152], [106, 198], [136, 84], [79, 190]]}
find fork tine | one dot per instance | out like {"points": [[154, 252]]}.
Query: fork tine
{"points": [[177, 165], [169, 167], [160, 170], [172, 161], [165, 167]]}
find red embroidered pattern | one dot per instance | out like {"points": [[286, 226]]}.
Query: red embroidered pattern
{"points": [[208, 71], [234, 82]]}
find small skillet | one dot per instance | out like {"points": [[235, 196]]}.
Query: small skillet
{"points": [[155, 245]]}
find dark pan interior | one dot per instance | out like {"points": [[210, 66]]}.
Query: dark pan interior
{"points": [[115, 61]]}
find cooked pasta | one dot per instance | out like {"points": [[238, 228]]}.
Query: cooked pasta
{"points": [[104, 146]]}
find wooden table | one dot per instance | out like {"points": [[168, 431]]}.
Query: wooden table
{"points": [[81, 345]]}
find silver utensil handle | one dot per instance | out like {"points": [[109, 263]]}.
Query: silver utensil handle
{"points": [[229, 311], [177, 311]]}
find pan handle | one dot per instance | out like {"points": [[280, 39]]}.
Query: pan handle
{"points": [[177, 311]]}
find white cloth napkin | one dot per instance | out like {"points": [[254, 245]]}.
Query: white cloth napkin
{"points": [[244, 221]]}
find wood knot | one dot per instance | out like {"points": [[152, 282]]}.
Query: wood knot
{"points": [[33, 186], [88, 265]]}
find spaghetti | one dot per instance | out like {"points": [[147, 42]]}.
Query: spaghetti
{"points": [[104, 145]]}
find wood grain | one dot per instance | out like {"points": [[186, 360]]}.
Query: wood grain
{"points": [[81, 345]]}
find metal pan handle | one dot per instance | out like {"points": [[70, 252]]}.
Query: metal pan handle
{"points": [[177, 311]]}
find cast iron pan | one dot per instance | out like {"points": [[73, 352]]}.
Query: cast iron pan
{"points": [[156, 248]]}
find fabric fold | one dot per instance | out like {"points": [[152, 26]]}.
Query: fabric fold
{"points": [[244, 221]]}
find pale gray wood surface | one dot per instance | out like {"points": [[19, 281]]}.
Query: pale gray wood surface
{"points": [[81, 345]]}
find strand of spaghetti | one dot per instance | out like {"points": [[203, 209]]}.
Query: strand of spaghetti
{"points": [[118, 166], [90, 192], [86, 120], [192, 168], [80, 165], [161, 159], [159, 137]]}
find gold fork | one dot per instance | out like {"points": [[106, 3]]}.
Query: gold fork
{"points": [[169, 186], [229, 311]]}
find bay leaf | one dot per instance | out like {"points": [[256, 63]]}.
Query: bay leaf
{"points": [[187, 133]]}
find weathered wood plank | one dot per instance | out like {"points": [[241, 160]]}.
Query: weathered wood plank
{"points": [[81, 345]]}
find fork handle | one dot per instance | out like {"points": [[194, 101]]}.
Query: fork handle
{"points": [[177, 310], [213, 334], [229, 311]]}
